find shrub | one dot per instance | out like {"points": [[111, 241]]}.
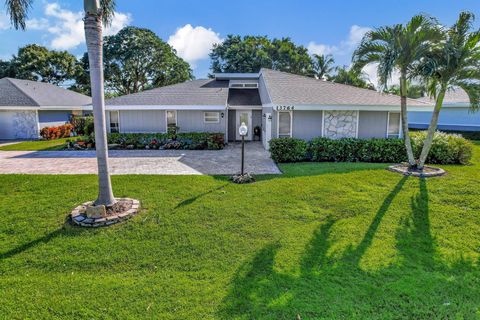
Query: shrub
{"points": [[51, 133], [288, 150], [82, 125], [446, 148], [184, 141]]}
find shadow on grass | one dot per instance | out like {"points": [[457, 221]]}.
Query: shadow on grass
{"points": [[334, 288], [66, 231], [195, 198]]}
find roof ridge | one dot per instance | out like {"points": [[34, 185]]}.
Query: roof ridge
{"points": [[35, 102]]}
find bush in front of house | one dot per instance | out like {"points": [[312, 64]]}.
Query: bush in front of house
{"points": [[288, 150], [447, 148], [51, 133], [82, 125], [183, 141]]}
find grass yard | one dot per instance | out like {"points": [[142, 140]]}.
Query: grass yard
{"points": [[323, 241], [38, 145]]}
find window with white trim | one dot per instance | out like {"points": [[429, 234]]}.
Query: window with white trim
{"points": [[284, 124], [393, 130], [171, 118], [211, 117], [114, 122]]}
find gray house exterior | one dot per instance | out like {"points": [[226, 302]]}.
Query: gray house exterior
{"points": [[28, 106], [278, 104]]}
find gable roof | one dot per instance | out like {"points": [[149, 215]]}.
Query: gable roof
{"points": [[287, 88], [456, 96], [26, 93], [207, 92]]}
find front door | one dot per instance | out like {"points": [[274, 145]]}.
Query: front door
{"points": [[244, 116]]}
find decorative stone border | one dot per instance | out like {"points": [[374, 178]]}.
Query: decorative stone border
{"points": [[403, 169], [78, 215]]}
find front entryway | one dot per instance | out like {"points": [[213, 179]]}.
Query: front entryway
{"points": [[243, 116]]}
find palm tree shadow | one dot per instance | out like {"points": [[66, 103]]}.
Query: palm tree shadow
{"points": [[328, 287], [195, 198]]}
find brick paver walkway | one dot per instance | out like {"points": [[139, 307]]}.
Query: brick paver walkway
{"points": [[221, 162]]}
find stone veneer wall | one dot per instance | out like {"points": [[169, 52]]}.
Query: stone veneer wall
{"points": [[25, 124], [340, 124]]}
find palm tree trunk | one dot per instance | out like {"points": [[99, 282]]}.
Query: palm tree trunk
{"points": [[404, 115], [93, 36], [427, 144]]}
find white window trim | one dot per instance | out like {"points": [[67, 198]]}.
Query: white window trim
{"points": [[278, 122], [210, 122], [399, 124], [166, 119]]}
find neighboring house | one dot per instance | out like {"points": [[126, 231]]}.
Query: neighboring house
{"points": [[28, 106], [455, 114], [278, 103]]}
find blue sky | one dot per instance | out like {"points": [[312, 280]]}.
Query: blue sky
{"points": [[192, 26]]}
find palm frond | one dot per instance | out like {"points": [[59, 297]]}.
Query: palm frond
{"points": [[108, 11], [18, 12], [473, 91]]}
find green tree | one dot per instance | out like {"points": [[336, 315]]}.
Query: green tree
{"points": [[351, 76], [251, 53], [37, 63], [6, 69], [399, 47], [136, 59], [414, 91], [96, 13], [454, 62], [323, 65]]}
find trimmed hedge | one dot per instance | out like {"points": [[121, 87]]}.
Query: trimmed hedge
{"points": [[446, 149]]}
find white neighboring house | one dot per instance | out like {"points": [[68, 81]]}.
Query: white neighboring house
{"points": [[455, 114], [28, 106]]}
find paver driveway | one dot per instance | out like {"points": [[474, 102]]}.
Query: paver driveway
{"points": [[221, 162]]}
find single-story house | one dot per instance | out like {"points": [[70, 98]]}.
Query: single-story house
{"points": [[271, 103], [455, 114], [28, 106]]}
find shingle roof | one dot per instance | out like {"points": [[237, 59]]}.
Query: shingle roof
{"points": [[244, 97], [195, 92], [451, 97], [26, 93], [286, 88]]}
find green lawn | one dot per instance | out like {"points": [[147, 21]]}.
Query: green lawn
{"points": [[323, 241], [39, 145]]}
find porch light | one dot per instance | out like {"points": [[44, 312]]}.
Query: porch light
{"points": [[243, 131]]}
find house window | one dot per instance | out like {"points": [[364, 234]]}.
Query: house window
{"points": [[211, 117], [284, 124], [114, 122], [171, 118], [393, 130]]}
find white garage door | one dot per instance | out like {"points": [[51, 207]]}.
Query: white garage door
{"points": [[7, 130], [18, 125]]}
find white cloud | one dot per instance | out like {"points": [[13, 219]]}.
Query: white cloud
{"points": [[66, 26], [193, 43], [371, 71], [345, 47]]}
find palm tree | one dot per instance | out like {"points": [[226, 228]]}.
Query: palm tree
{"points": [[323, 65], [454, 62], [96, 12], [399, 47]]}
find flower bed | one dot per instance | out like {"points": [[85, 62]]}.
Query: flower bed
{"points": [[52, 133], [163, 141]]}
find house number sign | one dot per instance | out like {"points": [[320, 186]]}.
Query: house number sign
{"points": [[285, 108]]}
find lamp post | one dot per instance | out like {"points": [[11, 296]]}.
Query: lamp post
{"points": [[243, 131]]}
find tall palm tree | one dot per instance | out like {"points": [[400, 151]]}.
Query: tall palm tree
{"points": [[323, 65], [454, 62], [398, 47], [96, 12]]}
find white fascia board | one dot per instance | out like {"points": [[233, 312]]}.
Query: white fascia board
{"points": [[65, 108], [164, 107], [245, 107], [305, 107]]}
